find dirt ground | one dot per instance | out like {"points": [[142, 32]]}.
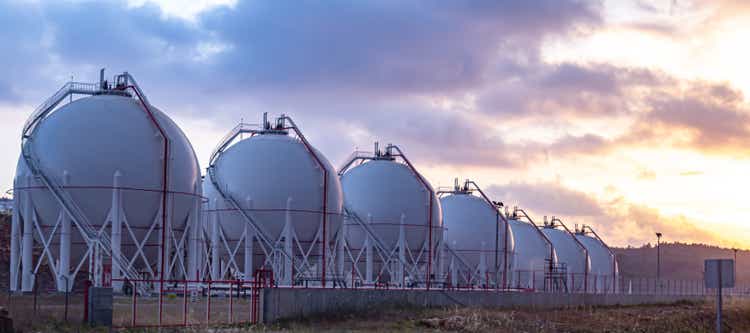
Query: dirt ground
{"points": [[678, 317]]}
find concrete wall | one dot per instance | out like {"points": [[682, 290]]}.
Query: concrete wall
{"points": [[283, 303]]}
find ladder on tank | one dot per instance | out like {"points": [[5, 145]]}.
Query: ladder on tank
{"points": [[99, 239], [259, 232], [385, 254], [557, 277]]}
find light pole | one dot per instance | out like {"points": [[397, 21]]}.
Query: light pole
{"points": [[658, 259], [735, 264]]}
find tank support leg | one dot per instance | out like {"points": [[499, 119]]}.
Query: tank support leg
{"points": [[116, 218], [63, 268], [368, 254], [215, 241], [194, 228], [15, 239], [288, 241], [401, 251], [27, 280]]}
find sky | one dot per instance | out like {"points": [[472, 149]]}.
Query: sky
{"points": [[630, 116]]}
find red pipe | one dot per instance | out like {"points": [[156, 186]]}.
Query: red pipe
{"points": [[325, 192], [585, 251], [505, 245], [184, 304], [549, 242], [612, 253], [135, 299], [165, 178], [432, 195]]}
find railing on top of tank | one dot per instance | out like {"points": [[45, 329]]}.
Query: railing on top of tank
{"points": [[52, 101], [229, 137]]}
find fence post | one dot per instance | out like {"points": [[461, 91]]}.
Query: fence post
{"points": [[185, 303], [86, 286], [67, 293], [36, 293], [135, 300]]}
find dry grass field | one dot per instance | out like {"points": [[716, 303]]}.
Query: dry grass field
{"points": [[678, 317]]}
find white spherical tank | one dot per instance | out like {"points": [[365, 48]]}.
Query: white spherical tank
{"points": [[603, 269], [475, 231], [531, 256], [386, 193], [271, 176], [104, 143], [570, 253]]}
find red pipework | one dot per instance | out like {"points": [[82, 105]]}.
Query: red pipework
{"points": [[325, 191], [432, 196], [165, 178], [612, 253], [585, 251], [505, 241], [549, 242]]}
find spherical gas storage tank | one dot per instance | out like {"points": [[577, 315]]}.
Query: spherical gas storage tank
{"points": [[475, 232], [277, 181], [571, 254], [603, 270], [107, 154], [531, 256], [389, 196]]}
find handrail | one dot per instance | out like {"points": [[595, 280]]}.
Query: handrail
{"points": [[90, 235], [546, 239], [612, 253], [324, 170], [431, 199], [358, 155], [498, 216], [260, 233], [507, 230], [67, 89], [585, 251]]}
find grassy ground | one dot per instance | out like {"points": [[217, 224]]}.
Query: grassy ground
{"points": [[678, 317]]}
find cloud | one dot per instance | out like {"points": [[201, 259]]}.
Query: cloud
{"points": [[547, 198], [386, 47], [617, 220]]}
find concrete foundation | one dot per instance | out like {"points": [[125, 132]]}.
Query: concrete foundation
{"points": [[284, 303]]}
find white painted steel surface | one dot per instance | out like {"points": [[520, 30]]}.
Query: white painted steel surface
{"points": [[108, 155], [571, 254], [385, 190], [530, 256], [475, 232], [603, 265], [271, 176]]}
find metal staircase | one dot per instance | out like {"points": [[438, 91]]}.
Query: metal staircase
{"points": [[94, 239], [211, 170]]}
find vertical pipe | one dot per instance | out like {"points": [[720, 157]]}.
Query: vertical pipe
{"points": [[288, 242], [401, 250], [184, 302], [369, 257], [341, 253], [63, 268], [195, 226], [116, 230], [28, 241], [483, 266], [249, 236], [135, 302], [215, 256], [14, 234]]}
